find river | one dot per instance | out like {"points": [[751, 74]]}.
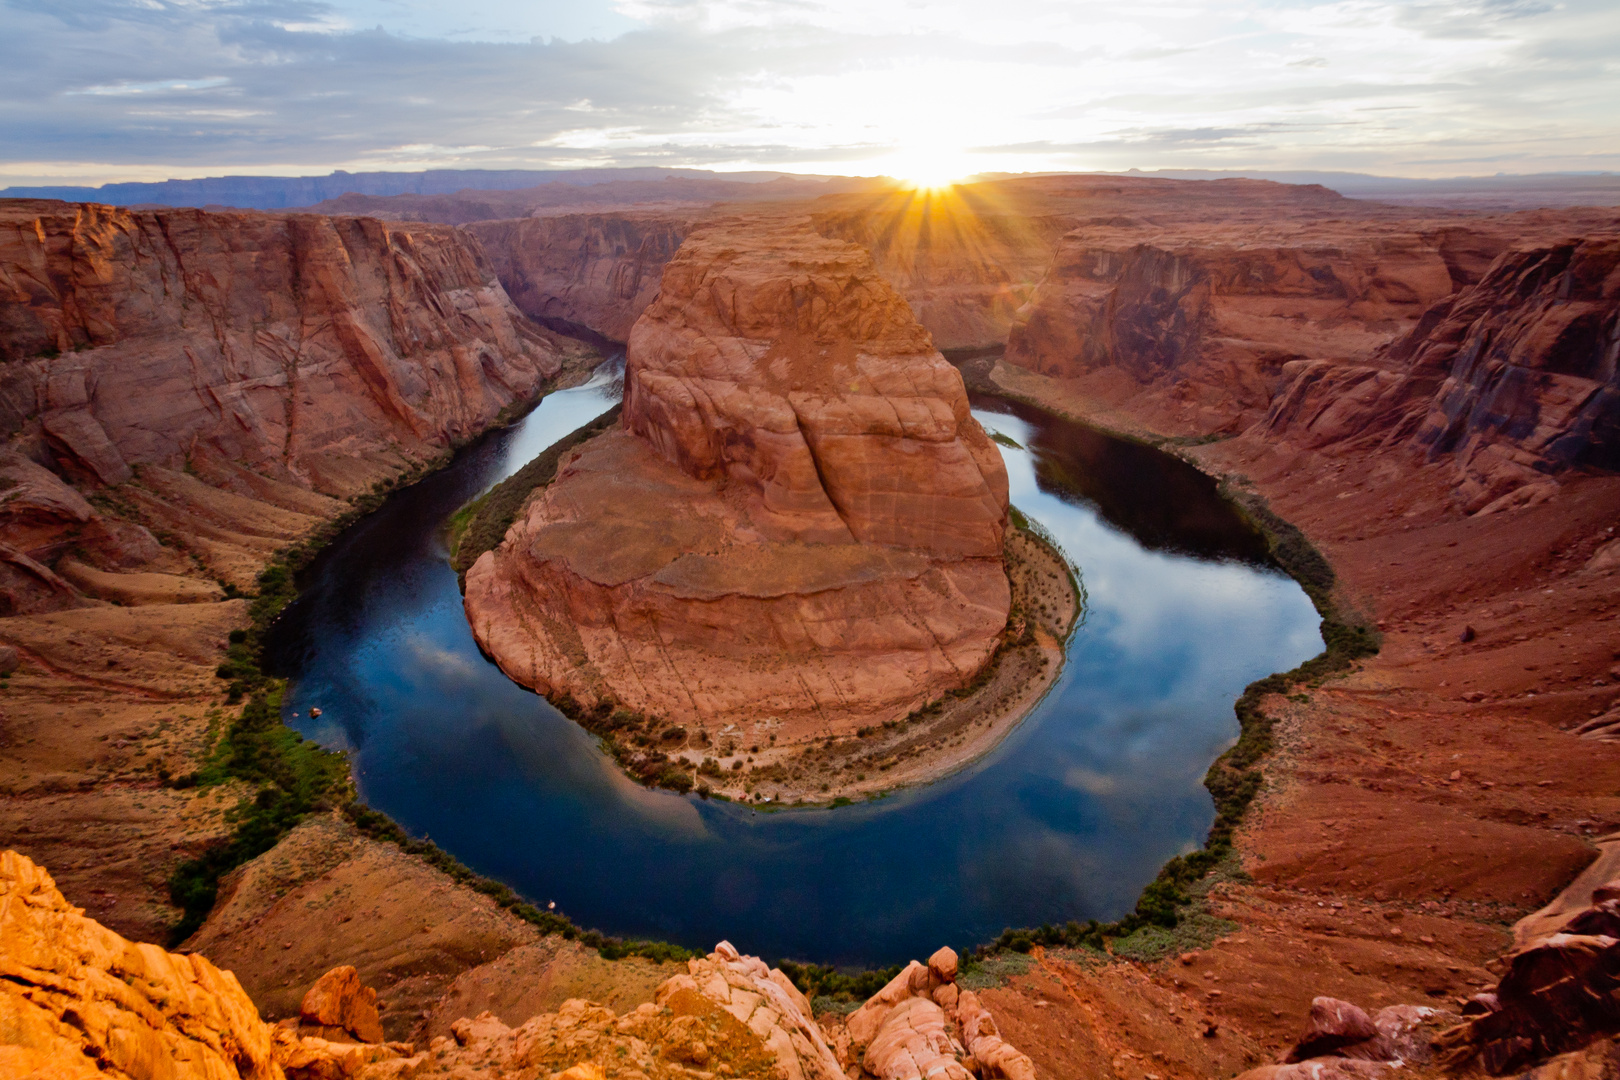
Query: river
{"points": [[1068, 818]]}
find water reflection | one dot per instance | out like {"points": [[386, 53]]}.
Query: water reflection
{"points": [[1068, 818]]}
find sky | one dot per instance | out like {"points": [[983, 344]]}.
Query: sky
{"points": [[101, 90]]}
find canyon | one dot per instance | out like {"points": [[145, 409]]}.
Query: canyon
{"points": [[1428, 395]]}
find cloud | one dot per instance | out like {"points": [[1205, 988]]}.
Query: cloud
{"points": [[277, 85]]}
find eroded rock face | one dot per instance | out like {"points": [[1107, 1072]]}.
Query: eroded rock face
{"points": [[327, 352], [597, 270], [1218, 310], [78, 1000], [1514, 378], [801, 520]]}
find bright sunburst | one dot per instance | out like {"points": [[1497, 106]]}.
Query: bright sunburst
{"points": [[928, 170]]}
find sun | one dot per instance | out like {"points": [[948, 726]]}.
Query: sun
{"points": [[928, 169]]}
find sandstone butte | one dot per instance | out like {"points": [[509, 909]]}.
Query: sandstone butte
{"points": [[799, 520]]}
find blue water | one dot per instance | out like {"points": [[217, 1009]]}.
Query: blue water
{"points": [[1068, 818]]}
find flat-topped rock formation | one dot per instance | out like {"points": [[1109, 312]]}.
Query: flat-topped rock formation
{"points": [[800, 522]]}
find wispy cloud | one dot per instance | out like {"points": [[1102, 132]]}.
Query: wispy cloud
{"points": [[116, 88]]}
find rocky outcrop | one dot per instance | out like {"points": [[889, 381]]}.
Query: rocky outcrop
{"points": [[1513, 378], [800, 523], [764, 1001], [322, 352], [596, 270], [922, 1025], [80, 1001], [77, 1000], [1558, 996], [338, 1006]]}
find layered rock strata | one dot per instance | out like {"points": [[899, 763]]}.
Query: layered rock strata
{"points": [[227, 375], [799, 521], [1218, 311], [314, 350], [597, 270], [1514, 378]]}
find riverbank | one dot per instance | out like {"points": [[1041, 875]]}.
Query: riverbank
{"points": [[1414, 809], [116, 706]]}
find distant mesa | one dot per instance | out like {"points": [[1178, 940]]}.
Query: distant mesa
{"points": [[798, 519]]}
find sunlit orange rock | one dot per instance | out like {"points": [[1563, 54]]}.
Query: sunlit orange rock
{"points": [[79, 1000]]}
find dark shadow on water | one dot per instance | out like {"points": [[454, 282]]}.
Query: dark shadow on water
{"points": [[1163, 502]]}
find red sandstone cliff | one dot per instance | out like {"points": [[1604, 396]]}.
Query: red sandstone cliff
{"points": [[1215, 311], [597, 270], [1514, 377], [247, 357], [802, 522]]}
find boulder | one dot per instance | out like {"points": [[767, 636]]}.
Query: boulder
{"points": [[942, 965], [9, 659], [339, 1004], [1332, 1027]]}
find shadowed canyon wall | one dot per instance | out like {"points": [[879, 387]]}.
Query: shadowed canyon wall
{"points": [[597, 270], [1514, 377]]}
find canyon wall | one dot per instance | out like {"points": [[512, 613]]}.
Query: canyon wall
{"points": [[301, 346], [228, 375], [965, 262], [597, 270], [1213, 313], [1514, 378], [800, 520]]}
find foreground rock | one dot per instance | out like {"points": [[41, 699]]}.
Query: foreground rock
{"points": [[922, 1025], [1560, 994], [78, 1000], [799, 527]]}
